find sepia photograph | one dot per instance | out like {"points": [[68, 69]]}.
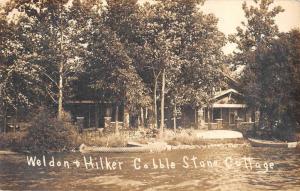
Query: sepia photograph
{"points": [[150, 95]]}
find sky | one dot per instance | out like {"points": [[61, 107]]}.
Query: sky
{"points": [[230, 15]]}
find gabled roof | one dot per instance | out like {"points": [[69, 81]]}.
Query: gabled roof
{"points": [[224, 92]]}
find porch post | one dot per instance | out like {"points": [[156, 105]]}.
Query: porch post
{"points": [[257, 113], [221, 116], [89, 115], [229, 120], [96, 115], [221, 112], [208, 118], [212, 114]]}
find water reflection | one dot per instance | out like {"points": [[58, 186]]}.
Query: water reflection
{"points": [[15, 174]]}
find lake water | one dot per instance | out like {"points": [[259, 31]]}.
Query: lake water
{"points": [[243, 168]]}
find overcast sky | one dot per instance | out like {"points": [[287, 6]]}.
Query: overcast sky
{"points": [[230, 14]]}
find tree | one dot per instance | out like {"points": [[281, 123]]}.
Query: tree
{"points": [[294, 64], [56, 44], [107, 55], [183, 46], [282, 98], [122, 18], [20, 81], [253, 42], [201, 48], [270, 58], [156, 54]]}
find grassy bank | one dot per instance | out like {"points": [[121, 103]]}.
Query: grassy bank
{"points": [[19, 141], [183, 137], [109, 140]]}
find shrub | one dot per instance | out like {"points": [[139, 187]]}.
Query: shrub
{"points": [[12, 140], [47, 133], [285, 134]]}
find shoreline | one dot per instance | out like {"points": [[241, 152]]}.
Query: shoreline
{"points": [[167, 148]]}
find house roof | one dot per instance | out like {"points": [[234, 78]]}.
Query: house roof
{"points": [[226, 105], [224, 92]]}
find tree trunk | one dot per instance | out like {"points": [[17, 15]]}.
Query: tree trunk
{"points": [[162, 104], [117, 119], [142, 118], [146, 113], [60, 93], [155, 103], [174, 118], [16, 121], [139, 122], [146, 117], [209, 117], [5, 119], [126, 119], [61, 70], [196, 120]]}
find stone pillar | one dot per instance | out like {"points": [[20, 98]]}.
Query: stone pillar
{"points": [[107, 119], [219, 123], [80, 123], [201, 119], [107, 126], [238, 122], [108, 111], [248, 115]]}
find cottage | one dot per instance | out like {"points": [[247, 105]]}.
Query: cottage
{"points": [[227, 110]]}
